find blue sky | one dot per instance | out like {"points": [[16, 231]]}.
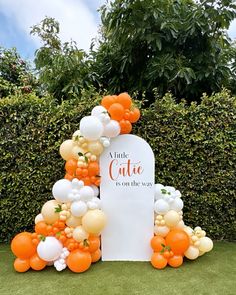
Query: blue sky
{"points": [[79, 21]]}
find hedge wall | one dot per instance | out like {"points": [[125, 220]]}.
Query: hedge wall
{"points": [[195, 149]]}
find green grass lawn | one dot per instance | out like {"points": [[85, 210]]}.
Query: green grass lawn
{"points": [[213, 273]]}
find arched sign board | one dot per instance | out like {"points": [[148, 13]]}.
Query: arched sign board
{"points": [[127, 195]]}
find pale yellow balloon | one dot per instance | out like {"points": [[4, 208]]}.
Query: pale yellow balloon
{"points": [[95, 147], [180, 224], [73, 221], [76, 135], [161, 230], [206, 244], [201, 253], [76, 150], [80, 234], [192, 253], [66, 149], [171, 218], [94, 221], [38, 218], [48, 211]]}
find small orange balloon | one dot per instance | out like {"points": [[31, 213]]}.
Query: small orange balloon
{"points": [[41, 228], [96, 255], [21, 265], [93, 169], [69, 176], [22, 246], [178, 240], [157, 242], [79, 261], [94, 243], [158, 261], [125, 127], [71, 166], [134, 115], [116, 111], [125, 100], [175, 261], [37, 263], [107, 101]]}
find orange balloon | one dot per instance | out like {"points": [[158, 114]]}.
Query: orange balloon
{"points": [[96, 255], [37, 263], [93, 169], [158, 261], [107, 101], [21, 265], [94, 243], [68, 176], [116, 111], [156, 242], [125, 127], [79, 261], [178, 240], [41, 228], [125, 100], [175, 261], [134, 115], [22, 245], [71, 166]]}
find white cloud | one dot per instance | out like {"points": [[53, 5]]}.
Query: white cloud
{"points": [[77, 22], [232, 30]]}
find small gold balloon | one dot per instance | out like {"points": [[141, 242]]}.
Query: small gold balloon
{"points": [[94, 221], [80, 234], [73, 221], [95, 147]]}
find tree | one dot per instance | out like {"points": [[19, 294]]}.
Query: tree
{"points": [[15, 73], [64, 70], [171, 45]]}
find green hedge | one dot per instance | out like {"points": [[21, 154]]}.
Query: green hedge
{"points": [[194, 148]]}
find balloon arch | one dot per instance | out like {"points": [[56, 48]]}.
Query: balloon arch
{"points": [[67, 231]]}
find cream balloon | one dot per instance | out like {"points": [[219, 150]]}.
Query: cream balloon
{"points": [[192, 253], [80, 234], [161, 230], [94, 221], [171, 218], [95, 147], [201, 253], [38, 218], [76, 150], [48, 211], [206, 244], [73, 221], [66, 149], [76, 135]]}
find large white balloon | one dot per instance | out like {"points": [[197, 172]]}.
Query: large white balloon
{"points": [[161, 206], [95, 203], [177, 205], [86, 193], [206, 244], [50, 249], [112, 129], [98, 110], [95, 190], [158, 193], [78, 208], [91, 127], [61, 189]]}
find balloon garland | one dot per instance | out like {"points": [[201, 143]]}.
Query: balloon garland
{"points": [[67, 231]]}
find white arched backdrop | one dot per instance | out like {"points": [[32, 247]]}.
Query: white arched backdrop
{"points": [[127, 171]]}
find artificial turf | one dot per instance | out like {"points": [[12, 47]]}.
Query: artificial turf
{"points": [[213, 273]]}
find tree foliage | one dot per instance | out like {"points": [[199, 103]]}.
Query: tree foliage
{"points": [[64, 70], [173, 45]]}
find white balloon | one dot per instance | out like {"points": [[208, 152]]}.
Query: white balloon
{"points": [[112, 129], [50, 249], [98, 110], [161, 230], [158, 193], [95, 190], [61, 189], [161, 206], [106, 143], [86, 193], [177, 205], [78, 208], [177, 194], [206, 244], [38, 218], [192, 253], [170, 189], [95, 203], [91, 127]]}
